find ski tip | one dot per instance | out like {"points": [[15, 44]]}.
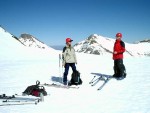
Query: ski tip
{"points": [[99, 89], [4, 100]]}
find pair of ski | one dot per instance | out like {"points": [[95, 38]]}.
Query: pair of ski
{"points": [[18, 100], [10, 103], [61, 86], [101, 77]]}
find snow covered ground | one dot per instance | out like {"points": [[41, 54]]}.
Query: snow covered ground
{"points": [[130, 95], [21, 66]]}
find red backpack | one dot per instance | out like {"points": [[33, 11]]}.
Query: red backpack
{"points": [[35, 90]]}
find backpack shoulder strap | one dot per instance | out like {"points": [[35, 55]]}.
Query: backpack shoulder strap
{"points": [[64, 49], [122, 44]]}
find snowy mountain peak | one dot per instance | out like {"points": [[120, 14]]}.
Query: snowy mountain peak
{"points": [[95, 44], [99, 45], [145, 41], [92, 37], [30, 41]]}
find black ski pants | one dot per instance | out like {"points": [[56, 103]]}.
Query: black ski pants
{"points": [[119, 68], [67, 65]]}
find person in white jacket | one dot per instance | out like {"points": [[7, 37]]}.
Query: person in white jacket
{"points": [[69, 59]]}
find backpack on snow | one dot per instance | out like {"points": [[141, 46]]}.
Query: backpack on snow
{"points": [[35, 90], [75, 79]]}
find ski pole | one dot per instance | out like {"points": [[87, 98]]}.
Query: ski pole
{"points": [[92, 80], [62, 70], [59, 68]]}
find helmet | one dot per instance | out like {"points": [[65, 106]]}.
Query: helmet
{"points": [[68, 40], [119, 35]]}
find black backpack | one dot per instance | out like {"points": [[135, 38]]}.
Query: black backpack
{"points": [[75, 79], [35, 90]]}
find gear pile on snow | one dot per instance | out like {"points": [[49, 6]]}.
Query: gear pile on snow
{"points": [[3, 96], [35, 90]]}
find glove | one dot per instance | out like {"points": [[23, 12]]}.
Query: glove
{"points": [[63, 64]]}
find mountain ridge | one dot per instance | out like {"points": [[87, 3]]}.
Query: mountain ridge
{"points": [[31, 41], [94, 44], [99, 45]]}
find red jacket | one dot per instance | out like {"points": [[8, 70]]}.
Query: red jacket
{"points": [[119, 47]]}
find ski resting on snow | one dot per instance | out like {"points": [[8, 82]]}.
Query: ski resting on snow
{"points": [[20, 103], [101, 77], [60, 86], [17, 100]]}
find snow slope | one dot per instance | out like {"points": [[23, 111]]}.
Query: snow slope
{"points": [[12, 49], [21, 67], [130, 95]]}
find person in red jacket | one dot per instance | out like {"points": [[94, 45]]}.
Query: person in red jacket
{"points": [[118, 50]]}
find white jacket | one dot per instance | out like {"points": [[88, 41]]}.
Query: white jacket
{"points": [[69, 55]]}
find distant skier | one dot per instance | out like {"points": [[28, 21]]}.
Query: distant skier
{"points": [[69, 59], [118, 50]]}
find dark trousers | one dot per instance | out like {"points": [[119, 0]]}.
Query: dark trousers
{"points": [[67, 65], [119, 68]]}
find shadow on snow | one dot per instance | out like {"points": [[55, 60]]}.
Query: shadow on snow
{"points": [[57, 79]]}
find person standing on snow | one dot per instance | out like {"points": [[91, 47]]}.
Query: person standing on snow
{"points": [[118, 50], [69, 59]]}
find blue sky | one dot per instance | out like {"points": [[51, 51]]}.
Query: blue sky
{"points": [[51, 21]]}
